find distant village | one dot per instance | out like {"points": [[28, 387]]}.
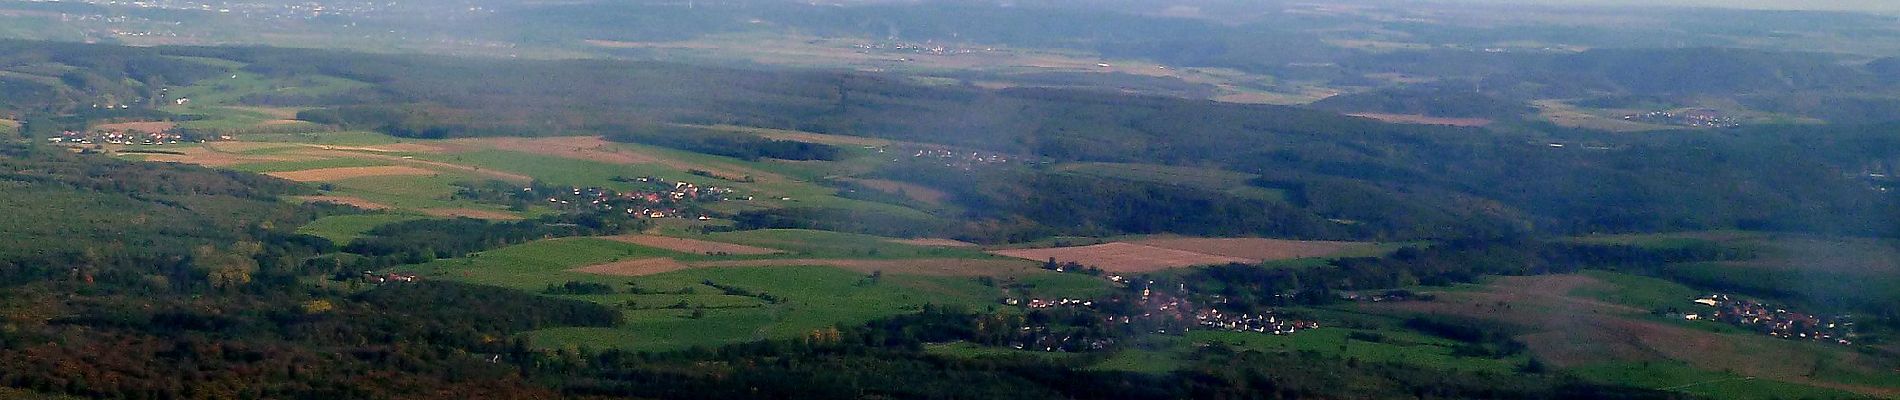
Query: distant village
{"points": [[928, 48], [1697, 118], [961, 159], [659, 199], [1772, 321], [120, 137], [1153, 311]]}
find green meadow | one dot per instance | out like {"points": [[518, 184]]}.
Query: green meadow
{"points": [[678, 309]]}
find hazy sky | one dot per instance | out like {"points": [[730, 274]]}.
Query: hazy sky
{"points": [[1848, 5]]}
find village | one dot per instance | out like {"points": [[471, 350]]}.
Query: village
{"points": [[960, 159], [929, 48], [1152, 312], [1772, 321], [1696, 118], [661, 199], [119, 137]]}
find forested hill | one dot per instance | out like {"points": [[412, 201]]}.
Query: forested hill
{"points": [[1400, 181], [1378, 180]]}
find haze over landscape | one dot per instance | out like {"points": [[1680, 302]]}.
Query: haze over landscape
{"points": [[948, 199]]}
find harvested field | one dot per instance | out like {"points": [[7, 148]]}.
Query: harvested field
{"points": [[344, 200], [934, 242], [337, 174], [1123, 257], [1253, 248], [640, 267], [147, 127], [925, 266], [692, 245], [470, 213], [1424, 120]]}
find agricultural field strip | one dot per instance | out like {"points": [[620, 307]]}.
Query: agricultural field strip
{"points": [[1157, 254]]}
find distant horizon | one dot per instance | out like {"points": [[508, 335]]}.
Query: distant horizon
{"points": [[1878, 6]]}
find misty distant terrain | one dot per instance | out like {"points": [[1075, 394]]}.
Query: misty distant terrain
{"points": [[1035, 199]]}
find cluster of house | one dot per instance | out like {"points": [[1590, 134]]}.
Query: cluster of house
{"points": [[1041, 338], [1690, 118], [1260, 323], [373, 277], [663, 200], [125, 137], [1777, 322], [929, 48], [963, 159], [1040, 303]]}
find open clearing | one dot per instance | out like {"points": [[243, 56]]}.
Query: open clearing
{"points": [[337, 174], [1123, 257], [470, 213], [1424, 120], [344, 200], [920, 266], [693, 246], [1255, 249], [640, 267]]}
